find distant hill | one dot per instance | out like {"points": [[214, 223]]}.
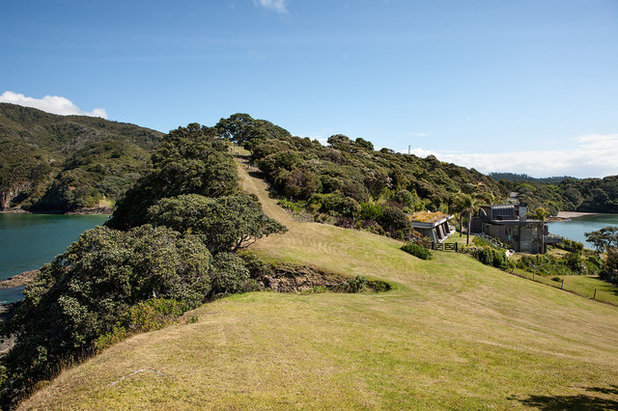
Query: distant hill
{"points": [[597, 195], [52, 163], [526, 177]]}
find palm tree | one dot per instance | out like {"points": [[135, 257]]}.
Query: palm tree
{"points": [[458, 206], [470, 203]]}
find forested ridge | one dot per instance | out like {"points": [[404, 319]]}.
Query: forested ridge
{"points": [[52, 163], [348, 182]]}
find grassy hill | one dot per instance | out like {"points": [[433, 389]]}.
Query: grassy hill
{"points": [[63, 163], [452, 333]]}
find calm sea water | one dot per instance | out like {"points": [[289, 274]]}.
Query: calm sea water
{"points": [[575, 228], [27, 241]]}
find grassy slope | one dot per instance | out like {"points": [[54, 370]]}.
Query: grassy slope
{"points": [[453, 333]]}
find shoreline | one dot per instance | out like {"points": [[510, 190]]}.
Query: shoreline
{"points": [[81, 211], [566, 215], [19, 279]]}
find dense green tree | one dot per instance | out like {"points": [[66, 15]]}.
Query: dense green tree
{"points": [[340, 142], [350, 173], [606, 237], [86, 291], [459, 204], [226, 223], [610, 271], [364, 144], [230, 275], [189, 160]]}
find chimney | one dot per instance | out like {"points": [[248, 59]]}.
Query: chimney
{"points": [[523, 210]]}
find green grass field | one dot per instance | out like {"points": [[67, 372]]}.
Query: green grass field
{"points": [[453, 333]]}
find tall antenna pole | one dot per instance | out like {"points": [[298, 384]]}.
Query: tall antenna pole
{"points": [[409, 145]]}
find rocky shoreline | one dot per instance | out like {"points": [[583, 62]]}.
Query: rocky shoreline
{"points": [[81, 211], [19, 279]]}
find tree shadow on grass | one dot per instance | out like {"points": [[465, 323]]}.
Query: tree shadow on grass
{"points": [[575, 402]]}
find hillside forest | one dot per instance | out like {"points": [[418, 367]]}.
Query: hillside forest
{"points": [[51, 163]]}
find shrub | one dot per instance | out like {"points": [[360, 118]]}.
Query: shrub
{"points": [[394, 219], [573, 261], [337, 203], [493, 256], [371, 211], [571, 245], [142, 317], [358, 284], [152, 314], [229, 275], [610, 271], [318, 289], [404, 197], [119, 333], [417, 251]]}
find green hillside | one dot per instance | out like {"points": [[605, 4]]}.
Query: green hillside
{"points": [[452, 333], [54, 163]]}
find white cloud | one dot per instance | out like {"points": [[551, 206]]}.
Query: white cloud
{"points": [[50, 104], [594, 155], [275, 5]]}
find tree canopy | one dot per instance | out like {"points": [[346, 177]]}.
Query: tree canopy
{"points": [[85, 291], [226, 223], [603, 239], [189, 160]]}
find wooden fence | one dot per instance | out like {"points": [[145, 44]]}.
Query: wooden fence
{"points": [[445, 246]]}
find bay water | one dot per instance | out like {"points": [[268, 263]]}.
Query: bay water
{"points": [[575, 228], [28, 241]]}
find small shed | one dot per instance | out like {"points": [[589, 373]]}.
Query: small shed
{"points": [[433, 225]]}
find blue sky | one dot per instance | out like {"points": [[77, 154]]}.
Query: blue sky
{"points": [[521, 86]]}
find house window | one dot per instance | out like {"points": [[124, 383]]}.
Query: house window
{"points": [[508, 232]]}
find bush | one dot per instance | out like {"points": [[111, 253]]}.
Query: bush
{"points": [[229, 275], [417, 251], [394, 219], [404, 197], [571, 245], [610, 271], [337, 203], [371, 211], [494, 257], [152, 314], [358, 284], [142, 317], [573, 261]]}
